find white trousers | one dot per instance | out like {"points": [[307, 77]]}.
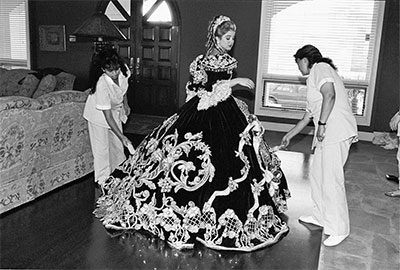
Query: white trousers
{"points": [[107, 149], [328, 192]]}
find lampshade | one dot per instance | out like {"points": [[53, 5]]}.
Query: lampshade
{"points": [[99, 26]]}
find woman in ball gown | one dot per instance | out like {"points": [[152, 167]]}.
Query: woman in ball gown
{"points": [[205, 174]]}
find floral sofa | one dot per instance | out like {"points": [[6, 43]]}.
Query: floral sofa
{"points": [[44, 141]]}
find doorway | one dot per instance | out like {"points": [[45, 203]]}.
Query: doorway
{"points": [[151, 49]]}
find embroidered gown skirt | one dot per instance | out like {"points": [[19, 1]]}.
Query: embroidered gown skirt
{"points": [[189, 181]]}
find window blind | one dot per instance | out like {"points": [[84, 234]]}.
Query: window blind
{"points": [[13, 32], [342, 30]]}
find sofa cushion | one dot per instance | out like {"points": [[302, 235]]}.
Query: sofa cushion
{"points": [[46, 85], [65, 81], [29, 85], [11, 81]]}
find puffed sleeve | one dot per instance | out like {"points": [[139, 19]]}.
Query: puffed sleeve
{"points": [[198, 77]]}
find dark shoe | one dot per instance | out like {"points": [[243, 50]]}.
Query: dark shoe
{"points": [[392, 178]]}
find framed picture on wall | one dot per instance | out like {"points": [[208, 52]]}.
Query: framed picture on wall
{"points": [[52, 38]]}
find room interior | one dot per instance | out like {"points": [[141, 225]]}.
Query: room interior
{"points": [[375, 218], [192, 39], [59, 231]]}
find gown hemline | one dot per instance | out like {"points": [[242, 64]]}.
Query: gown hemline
{"points": [[190, 246], [262, 245]]}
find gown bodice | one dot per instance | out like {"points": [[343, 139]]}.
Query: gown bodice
{"points": [[205, 71]]}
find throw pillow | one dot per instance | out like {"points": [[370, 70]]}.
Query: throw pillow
{"points": [[11, 81], [65, 81], [46, 85], [29, 85]]}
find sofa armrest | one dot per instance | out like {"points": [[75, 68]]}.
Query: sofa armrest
{"points": [[64, 96], [19, 102], [42, 102]]}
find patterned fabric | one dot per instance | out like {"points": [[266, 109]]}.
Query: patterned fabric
{"points": [[65, 81], [194, 178], [44, 144], [64, 96], [29, 85], [221, 91], [25, 82], [11, 82], [42, 102], [46, 85], [19, 102], [199, 84]]}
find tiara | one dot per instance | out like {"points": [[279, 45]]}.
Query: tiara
{"points": [[220, 20]]}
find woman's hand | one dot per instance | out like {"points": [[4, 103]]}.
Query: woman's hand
{"points": [[285, 141], [127, 109], [125, 141], [321, 133], [114, 127], [394, 122], [295, 130], [243, 82]]}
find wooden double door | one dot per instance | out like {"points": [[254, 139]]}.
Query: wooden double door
{"points": [[151, 49]]}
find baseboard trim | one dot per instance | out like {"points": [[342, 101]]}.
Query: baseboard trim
{"points": [[273, 126]]}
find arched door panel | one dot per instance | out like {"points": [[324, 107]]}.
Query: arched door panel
{"points": [[151, 49]]}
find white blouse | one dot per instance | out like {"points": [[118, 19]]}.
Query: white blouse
{"points": [[108, 96], [341, 124]]}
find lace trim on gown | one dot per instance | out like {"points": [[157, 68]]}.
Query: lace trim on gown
{"points": [[125, 207], [221, 91]]}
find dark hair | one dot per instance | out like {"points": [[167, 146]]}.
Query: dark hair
{"points": [[108, 59], [313, 55]]}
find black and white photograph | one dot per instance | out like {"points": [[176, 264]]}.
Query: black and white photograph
{"points": [[200, 134]]}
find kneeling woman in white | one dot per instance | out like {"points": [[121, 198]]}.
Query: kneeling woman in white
{"points": [[105, 110], [335, 129]]}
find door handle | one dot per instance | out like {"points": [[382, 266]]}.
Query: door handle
{"points": [[137, 66], [131, 64]]}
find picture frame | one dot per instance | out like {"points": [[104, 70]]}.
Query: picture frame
{"points": [[52, 38]]}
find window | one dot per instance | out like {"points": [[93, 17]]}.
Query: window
{"points": [[14, 42], [348, 32], [161, 13]]}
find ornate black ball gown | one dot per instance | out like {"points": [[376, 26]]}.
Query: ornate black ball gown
{"points": [[198, 176]]}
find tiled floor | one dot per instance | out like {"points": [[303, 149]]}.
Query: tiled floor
{"points": [[374, 239]]}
